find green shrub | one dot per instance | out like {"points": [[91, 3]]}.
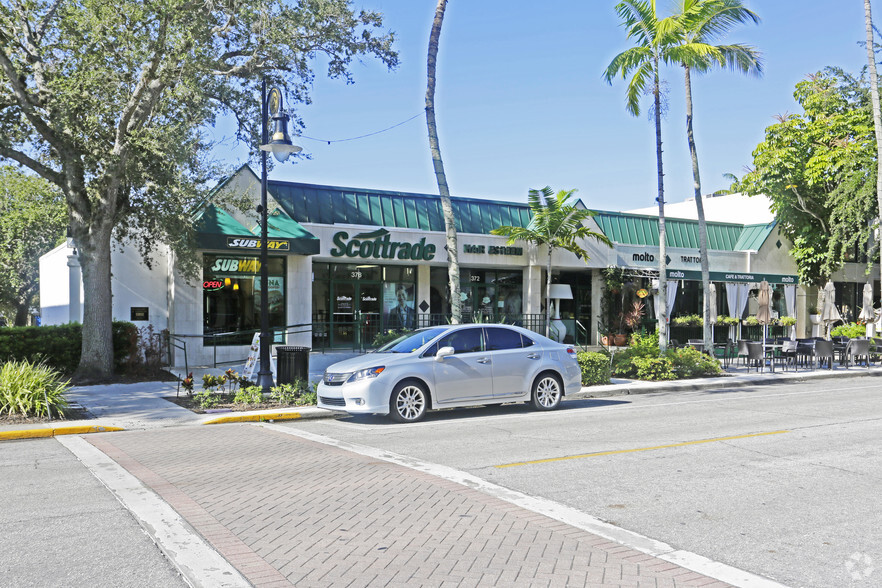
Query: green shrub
{"points": [[595, 368], [654, 368], [726, 321], [307, 399], [249, 395], [850, 330], [687, 362], [60, 345], [787, 321], [207, 399], [751, 321], [26, 388], [642, 345]]}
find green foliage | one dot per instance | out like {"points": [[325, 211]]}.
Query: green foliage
{"points": [[642, 346], [207, 399], [297, 394], [687, 362], [32, 221], [689, 320], [60, 345], [751, 321], [611, 300], [654, 368], [595, 368], [787, 321], [818, 168], [726, 321], [26, 387], [850, 330], [249, 395]]}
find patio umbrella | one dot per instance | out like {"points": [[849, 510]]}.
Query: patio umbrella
{"points": [[763, 312], [829, 312], [867, 314]]}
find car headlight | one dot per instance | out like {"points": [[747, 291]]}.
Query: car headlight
{"points": [[371, 372]]}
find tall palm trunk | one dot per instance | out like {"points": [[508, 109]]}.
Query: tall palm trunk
{"points": [[702, 225], [548, 292], [440, 176], [874, 94], [662, 236]]}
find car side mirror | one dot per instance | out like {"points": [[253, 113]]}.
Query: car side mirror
{"points": [[444, 352]]}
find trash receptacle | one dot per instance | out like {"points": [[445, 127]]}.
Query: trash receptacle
{"points": [[293, 364]]}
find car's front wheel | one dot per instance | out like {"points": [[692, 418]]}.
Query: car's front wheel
{"points": [[409, 402], [547, 392]]}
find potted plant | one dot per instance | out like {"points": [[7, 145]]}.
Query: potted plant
{"points": [[631, 318]]}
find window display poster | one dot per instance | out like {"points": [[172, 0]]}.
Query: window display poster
{"points": [[275, 294], [398, 306]]}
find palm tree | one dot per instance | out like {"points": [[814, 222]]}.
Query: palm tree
{"points": [[652, 38], [701, 22], [874, 95], [557, 224], [440, 176]]}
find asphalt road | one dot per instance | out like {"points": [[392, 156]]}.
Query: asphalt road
{"points": [[782, 480], [62, 527]]}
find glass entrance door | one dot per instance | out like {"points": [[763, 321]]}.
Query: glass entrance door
{"points": [[357, 314]]}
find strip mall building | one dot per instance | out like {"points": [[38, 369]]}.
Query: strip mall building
{"points": [[347, 263]]}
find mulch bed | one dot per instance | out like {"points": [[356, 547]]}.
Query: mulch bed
{"points": [[191, 404]]}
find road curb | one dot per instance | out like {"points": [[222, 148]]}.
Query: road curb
{"points": [[55, 432], [261, 417]]}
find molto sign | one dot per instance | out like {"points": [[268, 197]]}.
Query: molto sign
{"points": [[240, 243], [379, 245]]}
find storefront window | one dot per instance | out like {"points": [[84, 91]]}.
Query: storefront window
{"points": [[353, 303], [231, 297], [487, 295]]}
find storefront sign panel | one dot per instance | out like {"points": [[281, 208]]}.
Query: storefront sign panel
{"points": [[273, 244], [379, 245]]}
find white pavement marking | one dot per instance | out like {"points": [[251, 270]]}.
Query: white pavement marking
{"points": [[196, 560], [559, 512]]}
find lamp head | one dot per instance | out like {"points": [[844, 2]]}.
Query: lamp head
{"points": [[280, 144]]}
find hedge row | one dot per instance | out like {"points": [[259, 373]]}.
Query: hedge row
{"points": [[60, 345]]}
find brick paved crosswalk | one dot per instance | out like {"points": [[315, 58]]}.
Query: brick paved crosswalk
{"points": [[286, 511]]}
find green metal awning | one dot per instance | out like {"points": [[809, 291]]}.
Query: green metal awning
{"points": [[215, 226], [217, 229], [638, 229], [328, 205]]}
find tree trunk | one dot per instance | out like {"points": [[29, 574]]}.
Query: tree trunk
{"points": [[662, 251], [21, 314], [440, 176], [96, 361], [702, 225], [874, 94]]}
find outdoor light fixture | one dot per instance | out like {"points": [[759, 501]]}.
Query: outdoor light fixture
{"points": [[281, 147]]}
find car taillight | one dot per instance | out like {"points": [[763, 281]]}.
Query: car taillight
{"points": [[571, 352]]}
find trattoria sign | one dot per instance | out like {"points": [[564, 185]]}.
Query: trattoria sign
{"points": [[379, 245]]}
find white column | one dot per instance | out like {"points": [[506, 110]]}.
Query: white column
{"points": [[596, 298], [74, 281], [533, 289], [423, 292]]}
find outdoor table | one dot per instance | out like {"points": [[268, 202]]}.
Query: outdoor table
{"points": [[771, 348]]}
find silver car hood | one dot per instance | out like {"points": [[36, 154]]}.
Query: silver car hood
{"points": [[367, 360]]}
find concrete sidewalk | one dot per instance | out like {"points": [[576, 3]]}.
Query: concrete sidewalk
{"points": [[143, 405]]}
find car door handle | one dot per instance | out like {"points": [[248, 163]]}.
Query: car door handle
{"points": [[533, 356], [484, 360]]}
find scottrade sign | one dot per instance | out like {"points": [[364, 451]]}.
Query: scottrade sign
{"points": [[379, 245]]}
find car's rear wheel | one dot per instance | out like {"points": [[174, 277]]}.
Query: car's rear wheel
{"points": [[409, 402], [547, 392]]}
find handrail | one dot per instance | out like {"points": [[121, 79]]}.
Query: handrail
{"points": [[581, 330], [178, 343]]}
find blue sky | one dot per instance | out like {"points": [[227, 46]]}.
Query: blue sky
{"points": [[521, 103]]}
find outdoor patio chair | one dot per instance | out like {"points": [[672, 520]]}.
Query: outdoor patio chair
{"points": [[805, 351], [787, 355], [742, 350], [755, 356], [875, 346], [857, 349], [824, 351]]}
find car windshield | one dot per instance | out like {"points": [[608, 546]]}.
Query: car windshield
{"points": [[410, 342]]}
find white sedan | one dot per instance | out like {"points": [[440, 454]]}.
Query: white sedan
{"points": [[450, 366]]}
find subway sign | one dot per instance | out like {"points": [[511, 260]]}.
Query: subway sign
{"points": [[248, 243], [379, 245]]}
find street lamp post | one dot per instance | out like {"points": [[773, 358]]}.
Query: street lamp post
{"points": [[281, 147]]}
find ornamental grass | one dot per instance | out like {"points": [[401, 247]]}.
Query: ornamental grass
{"points": [[32, 389]]}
